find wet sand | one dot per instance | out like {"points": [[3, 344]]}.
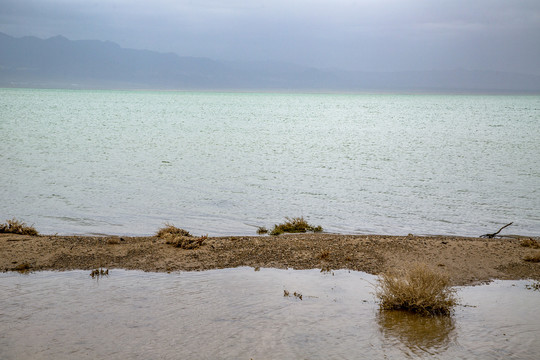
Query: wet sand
{"points": [[466, 260]]}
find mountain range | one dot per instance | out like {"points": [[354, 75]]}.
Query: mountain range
{"points": [[58, 62]]}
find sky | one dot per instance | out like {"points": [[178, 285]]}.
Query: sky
{"points": [[364, 35]]}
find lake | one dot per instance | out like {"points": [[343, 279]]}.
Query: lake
{"points": [[126, 162]]}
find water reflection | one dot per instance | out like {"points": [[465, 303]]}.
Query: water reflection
{"points": [[419, 334]]}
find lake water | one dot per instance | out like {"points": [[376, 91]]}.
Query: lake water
{"points": [[242, 314], [126, 162]]}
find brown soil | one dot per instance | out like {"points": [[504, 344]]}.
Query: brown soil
{"points": [[465, 260]]}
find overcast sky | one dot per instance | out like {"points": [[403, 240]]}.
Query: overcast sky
{"points": [[371, 35]]}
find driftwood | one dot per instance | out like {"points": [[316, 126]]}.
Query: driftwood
{"points": [[490, 236]]}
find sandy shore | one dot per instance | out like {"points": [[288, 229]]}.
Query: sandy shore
{"points": [[465, 260]]}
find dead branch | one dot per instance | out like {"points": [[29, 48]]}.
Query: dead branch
{"points": [[490, 236]]}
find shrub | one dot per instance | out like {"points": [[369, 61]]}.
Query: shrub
{"points": [[170, 229], [276, 231], [15, 226], [294, 225], [417, 289]]}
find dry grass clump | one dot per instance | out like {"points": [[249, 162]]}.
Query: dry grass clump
{"points": [[15, 226], [262, 230], [180, 238], [97, 273], [534, 286], [185, 242], [530, 242], [170, 229], [113, 240], [533, 258], [295, 294], [417, 289], [22, 268], [294, 225]]}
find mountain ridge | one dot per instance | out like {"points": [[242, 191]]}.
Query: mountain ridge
{"points": [[58, 62]]}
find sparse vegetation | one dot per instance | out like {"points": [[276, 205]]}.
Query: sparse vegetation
{"points": [[15, 226], [534, 286], [418, 289], [185, 242], [97, 273], [327, 270], [22, 268], [262, 230], [170, 229], [295, 294], [530, 242], [294, 225], [533, 257]]}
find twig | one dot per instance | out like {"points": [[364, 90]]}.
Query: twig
{"points": [[490, 236]]}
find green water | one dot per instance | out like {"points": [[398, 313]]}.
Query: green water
{"points": [[125, 162]]}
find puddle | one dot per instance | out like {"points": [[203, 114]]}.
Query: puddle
{"points": [[242, 314]]}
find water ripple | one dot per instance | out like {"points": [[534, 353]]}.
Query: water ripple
{"points": [[241, 313]]}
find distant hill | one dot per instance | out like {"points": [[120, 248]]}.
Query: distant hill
{"points": [[58, 62]]}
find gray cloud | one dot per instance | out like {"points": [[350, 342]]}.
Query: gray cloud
{"points": [[362, 34]]}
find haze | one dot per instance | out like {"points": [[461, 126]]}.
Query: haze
{"points": [[376, 35]]}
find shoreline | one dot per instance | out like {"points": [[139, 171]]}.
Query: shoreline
{"points": [[467, 260]]}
